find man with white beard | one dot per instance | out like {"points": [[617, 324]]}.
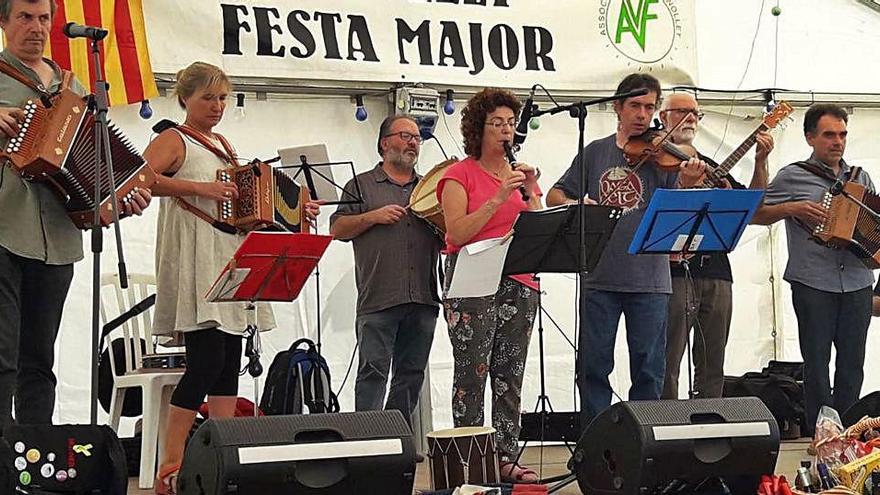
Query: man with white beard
{"points": [[711, 299]]}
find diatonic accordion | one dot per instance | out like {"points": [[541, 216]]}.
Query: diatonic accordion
{"points": [[850, 226], [267, 198], [57, 144]]}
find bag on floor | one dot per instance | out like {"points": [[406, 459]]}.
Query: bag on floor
{"points": [[782, 395], [75, 459], [298, 379]]}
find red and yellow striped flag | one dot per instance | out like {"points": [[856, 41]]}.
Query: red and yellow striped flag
{"points": [[124, 55]]}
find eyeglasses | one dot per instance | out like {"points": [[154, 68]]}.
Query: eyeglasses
{"points": [[406, 136], [696, 113], [498, 123]]}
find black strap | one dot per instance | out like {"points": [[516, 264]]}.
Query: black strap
{"points": [[817, 170], [135, 310]]}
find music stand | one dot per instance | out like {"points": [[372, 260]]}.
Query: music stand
{"points": [[322, 187], [547, 241], [694, 221], [268, 266]]}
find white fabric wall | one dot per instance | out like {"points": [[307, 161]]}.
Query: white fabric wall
{"points": [[272, 124], [761, 299]]}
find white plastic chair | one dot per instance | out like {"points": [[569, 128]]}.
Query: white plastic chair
{"points": [[155, 384]]}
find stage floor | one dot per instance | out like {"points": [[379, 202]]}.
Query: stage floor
{"points": [[791, 452]]}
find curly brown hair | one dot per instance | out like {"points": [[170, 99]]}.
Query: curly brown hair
{"points": [[473, 116]]}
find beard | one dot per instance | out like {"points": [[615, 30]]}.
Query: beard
{"points": [[401, 159]]}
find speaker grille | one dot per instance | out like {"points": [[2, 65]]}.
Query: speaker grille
{"points": [[268, 430], [676, 412]]}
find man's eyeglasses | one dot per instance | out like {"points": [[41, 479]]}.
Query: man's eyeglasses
{"points": [[498, 123], [696, 113], [406, 136]]}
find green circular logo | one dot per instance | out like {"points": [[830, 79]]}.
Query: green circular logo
{"points": [[644, 31]]}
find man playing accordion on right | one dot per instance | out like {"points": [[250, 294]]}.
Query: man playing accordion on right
{"points": [[831, 289]]}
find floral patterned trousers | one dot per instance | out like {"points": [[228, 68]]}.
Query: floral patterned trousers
{"points": [[490, 335]]}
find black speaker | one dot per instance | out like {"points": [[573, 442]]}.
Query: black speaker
{"points": [[364, 452], [672, 446]]}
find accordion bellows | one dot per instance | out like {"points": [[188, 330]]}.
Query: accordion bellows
{"points": [[57, 144]]}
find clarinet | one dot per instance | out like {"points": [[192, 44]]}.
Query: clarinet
{"points": [[511, 159]]}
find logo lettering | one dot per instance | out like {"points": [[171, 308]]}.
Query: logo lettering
{"points": [[635, 20]]}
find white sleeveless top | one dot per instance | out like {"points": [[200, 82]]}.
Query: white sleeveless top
{"points": [[190, 254]]}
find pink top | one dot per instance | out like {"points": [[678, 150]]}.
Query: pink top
{"points": [[480, 186]]}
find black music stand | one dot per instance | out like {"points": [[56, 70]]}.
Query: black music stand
{"points": [[547, 241], [694, 221], [268, 266], [308, 171]]}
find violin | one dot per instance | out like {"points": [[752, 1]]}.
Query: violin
{"points": [[653, 146]]}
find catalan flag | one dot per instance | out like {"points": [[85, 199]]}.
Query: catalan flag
{"points": [[124, 55]]}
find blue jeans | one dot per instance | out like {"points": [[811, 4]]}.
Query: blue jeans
{"points": [[397, 339], [645, 315]]}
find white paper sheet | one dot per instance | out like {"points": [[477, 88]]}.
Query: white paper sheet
{"points": [[478, 268], [224, 288]]}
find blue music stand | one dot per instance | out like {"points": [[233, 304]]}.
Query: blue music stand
{"points": [[684, 221], [690, 221]]}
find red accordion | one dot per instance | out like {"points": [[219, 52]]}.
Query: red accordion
{"points": [[57, 144], [267, 198]]}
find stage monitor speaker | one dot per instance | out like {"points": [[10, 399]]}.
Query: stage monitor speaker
{"points": [[677, 446], [327, 454]]}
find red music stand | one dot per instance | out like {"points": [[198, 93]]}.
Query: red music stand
{"points": [[268, 266]]}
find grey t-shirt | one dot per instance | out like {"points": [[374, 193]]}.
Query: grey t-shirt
{"points": [[810, 263], [610, 181]]}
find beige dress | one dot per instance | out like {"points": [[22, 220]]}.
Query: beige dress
{"points": [[190, 254]]}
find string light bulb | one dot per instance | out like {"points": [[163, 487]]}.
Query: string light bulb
{"points": [[360, 113], [449, 106], [146, 110], [239, 106]]}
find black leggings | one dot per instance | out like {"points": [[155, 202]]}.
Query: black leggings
{"points": [[213, 359]]}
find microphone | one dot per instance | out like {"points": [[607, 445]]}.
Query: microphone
{"points": [[525, 115], [74, 30], [836, 188]]}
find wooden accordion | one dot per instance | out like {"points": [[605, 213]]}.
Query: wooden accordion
{"points": [[57, 144], [267, 198], [851, 226]]}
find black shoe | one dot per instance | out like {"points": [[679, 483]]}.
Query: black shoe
{"points": [[419, 458]]}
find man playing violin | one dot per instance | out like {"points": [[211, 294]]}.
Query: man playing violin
{"points": [[830, 289], [396, 256], [710, 298], [637, 286]]}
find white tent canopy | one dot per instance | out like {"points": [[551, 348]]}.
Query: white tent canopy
{"points": [[826, 46]]}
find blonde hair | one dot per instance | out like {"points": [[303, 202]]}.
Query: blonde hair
{"points": [[199, 75]]}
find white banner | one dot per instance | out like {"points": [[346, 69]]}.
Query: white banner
{"points": [[563, 44]]}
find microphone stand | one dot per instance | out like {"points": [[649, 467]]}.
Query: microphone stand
{"points": [[578, 110], [98, 104]]}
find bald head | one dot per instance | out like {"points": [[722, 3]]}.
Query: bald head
{"points": [[677, 107]]}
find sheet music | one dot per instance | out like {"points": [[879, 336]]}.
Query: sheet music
{"points": [[478, 268], [322, 175], [225, 287]]}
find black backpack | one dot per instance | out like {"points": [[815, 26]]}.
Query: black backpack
{"points": [[298, 379]]}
